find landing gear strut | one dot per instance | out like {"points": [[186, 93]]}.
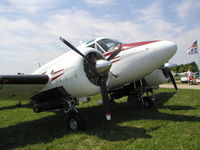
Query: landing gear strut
{"points": [[142, 101], [74, 119], [147, 102], [149, 99]]}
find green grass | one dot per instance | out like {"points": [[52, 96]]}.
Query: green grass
{"points": [[174, 123]]}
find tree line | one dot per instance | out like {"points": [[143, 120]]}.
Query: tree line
{"points": [[185, 67]]}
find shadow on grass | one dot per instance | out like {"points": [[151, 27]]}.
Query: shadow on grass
{"points": [[46, 129], [174, 107], [163, 97], [18, 105]]}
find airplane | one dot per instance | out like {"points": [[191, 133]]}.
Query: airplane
{"points": [[101, 65]]}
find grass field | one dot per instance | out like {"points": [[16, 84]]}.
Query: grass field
{"points": [[174, 124]]}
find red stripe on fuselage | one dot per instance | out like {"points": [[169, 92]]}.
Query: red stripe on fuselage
{"points": [[116, 61], [57, 76], [53, 73], [131, 45], [115, 57]]}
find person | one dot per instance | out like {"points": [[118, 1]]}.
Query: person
{"points": [[191, 77]]}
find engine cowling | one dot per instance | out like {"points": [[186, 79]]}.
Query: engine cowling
{"points": [[156, 77], [82, 80]]}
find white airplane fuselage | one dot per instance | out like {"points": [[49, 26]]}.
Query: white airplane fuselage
{"points": [[131, 64]]}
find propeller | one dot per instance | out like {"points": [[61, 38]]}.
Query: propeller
{"points": [[167, 71], [101, 67], [116, 52], [76, 50], [173, 80]]}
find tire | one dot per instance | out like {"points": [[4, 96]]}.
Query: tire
{"points": [[148, 103], [75, 122]]}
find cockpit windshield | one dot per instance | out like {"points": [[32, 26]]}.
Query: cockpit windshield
{"points": [[108, 44], [103, 44]]}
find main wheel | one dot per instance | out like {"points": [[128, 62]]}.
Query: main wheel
{"points": [[75, 121], [147, 102]]}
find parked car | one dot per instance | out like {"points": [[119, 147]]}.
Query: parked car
{"points": [[184, 79]]}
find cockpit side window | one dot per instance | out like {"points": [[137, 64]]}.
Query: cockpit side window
{"points": [[100, 49], [92, 46], [96, 46]]}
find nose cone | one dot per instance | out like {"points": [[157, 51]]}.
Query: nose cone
{"points": [[169, 47], [103, 66], [163, 51]]}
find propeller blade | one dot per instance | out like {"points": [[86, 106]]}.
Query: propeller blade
{"points": [[105, 98], [115, 53], [75, 49], [173, 80]]}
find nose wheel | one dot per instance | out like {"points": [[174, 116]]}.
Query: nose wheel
{"points": [[75, 121]]}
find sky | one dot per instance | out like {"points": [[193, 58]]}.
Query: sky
{"points": [[30, 29]]}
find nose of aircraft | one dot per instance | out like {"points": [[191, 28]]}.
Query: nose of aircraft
{"points": [[166, 49], [163, 51], [171, 46]]}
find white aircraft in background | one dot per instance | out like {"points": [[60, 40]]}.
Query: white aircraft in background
{"points": [[101, 65]]}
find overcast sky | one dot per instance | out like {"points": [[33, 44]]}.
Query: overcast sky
{"points": [[30, 29]]}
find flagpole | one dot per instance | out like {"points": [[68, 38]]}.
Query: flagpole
{"points": [[193, 49], [198, 60]]}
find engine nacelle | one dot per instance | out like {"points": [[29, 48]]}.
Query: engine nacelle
{"points": [[81, 80], [155, 78]]}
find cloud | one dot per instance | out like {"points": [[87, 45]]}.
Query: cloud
{"points": [[186, 9], [150, 24], [31, 6], [153, 22], [26, 40], [82, 25], [183, 9], [25, 43], [101, 2]]}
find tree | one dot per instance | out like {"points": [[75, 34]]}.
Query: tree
{"points": [[185, 67]]}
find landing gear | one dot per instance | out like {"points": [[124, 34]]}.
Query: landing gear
{"points": [[19, 104], [112, 100], [147, 102], [74, 119], [142, 101]]}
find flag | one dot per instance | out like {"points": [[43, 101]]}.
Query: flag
{"points": [[193, 49]]}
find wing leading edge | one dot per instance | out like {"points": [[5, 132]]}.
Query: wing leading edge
{"points": [[21, 86]]}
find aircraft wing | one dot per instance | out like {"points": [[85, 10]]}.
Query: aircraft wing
{"points": [[21, 86]]}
